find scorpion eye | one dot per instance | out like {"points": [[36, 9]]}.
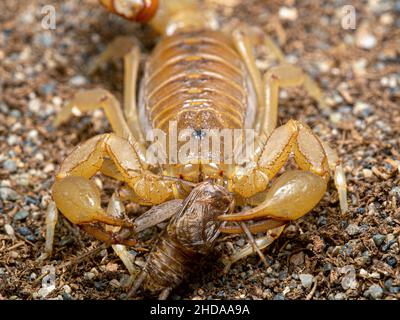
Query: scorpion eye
{"points": [[198, 133]]}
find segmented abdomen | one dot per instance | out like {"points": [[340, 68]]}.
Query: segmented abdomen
{"points": [[196, 79], [168, 265]]}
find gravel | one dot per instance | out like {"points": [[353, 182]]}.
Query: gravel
{"points": [[21, 215], [10, 165], [374, 292], [8, 194], [306, 280], [352, 255]]}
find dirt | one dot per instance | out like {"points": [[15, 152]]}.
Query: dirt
{"points": [[324, 255]]}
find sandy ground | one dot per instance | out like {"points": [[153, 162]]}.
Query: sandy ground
{"points": [[324, 255]]}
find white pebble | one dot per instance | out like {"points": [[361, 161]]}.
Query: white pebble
{"points": [[34, 105], [306, 280], [367, 173], [286, 13], [78, 81], [49, 168], [9, 229], [67, 289]]}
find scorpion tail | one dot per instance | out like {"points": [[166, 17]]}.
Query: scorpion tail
{"points": [[165, 16], [134, 10]]}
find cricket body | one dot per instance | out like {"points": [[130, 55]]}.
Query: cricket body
{"points": [[189, 236], [200, 79]]}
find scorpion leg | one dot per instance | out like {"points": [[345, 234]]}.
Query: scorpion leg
{"points": [[261, 243], [243, 44], [51, 222], [87, 100], [295, 192], [253, 242], [116, 209], [285, 76], [338, 174], [128, 49]]}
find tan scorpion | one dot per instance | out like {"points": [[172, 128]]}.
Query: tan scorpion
{"points": [[199, 79]]}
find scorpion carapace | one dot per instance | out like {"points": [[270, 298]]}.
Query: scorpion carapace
{"points": [[189, 236], [198, 78]]}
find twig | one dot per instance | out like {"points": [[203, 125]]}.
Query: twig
{"points": [[16, 246], [310, 295]]}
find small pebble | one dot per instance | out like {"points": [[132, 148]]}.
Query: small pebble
{"points": [[100, 286], [322, 221], [9, 229], [367, 173], [286, 13], [47, 89], [378, 239], [387, 246], [34, 106], [365, 39], [279, 296], [89, 276], [4, 108], [115, 283], [268, 281], [49, 168], [45, 39], [297, 259], [10, 165], [340, 296], [391, 261], [353, 229], [27, 233], [374, 292], [335, 117], [306, 280], [362, 109], [21, 215], [8, 194], [78, 81], [67, 296]]}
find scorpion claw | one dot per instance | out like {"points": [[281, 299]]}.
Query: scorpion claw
{"points": [[290, 197], [78, 199]]}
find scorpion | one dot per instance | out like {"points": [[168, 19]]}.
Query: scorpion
{"points": [[199, 78]]}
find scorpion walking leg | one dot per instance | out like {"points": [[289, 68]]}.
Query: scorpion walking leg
{"points": [[92, 99], [128, 49], [116, 209], [51, 222], [244, 46], [253, 242], [88, 100], [284, 76], [261, 243], [338, 174]]}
